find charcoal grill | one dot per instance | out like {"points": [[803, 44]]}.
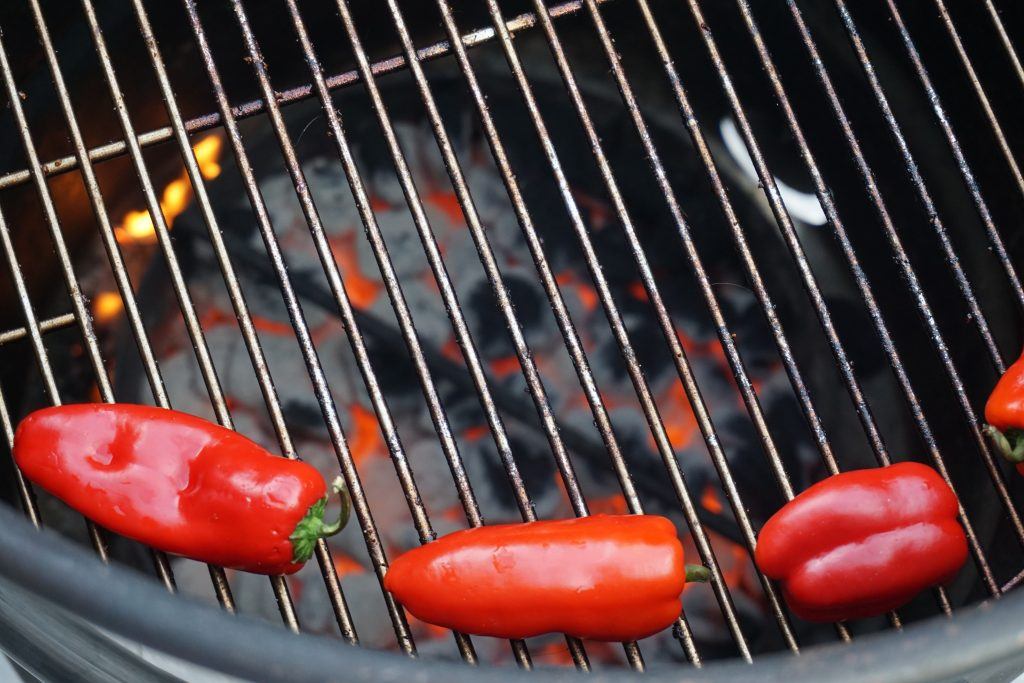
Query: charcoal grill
{"points": [[848, 177]]}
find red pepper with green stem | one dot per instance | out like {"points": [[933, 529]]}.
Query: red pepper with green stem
{"points": [[178, 483], [604, 577], [1004, 413], [862, 543]]}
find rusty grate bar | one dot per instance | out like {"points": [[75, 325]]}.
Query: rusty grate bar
{"points": [[927, 316], [957, 149], [291, 95], [48, 325]]}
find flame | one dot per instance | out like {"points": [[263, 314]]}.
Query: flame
{"points": [[106, 307], [362, 290], [137, 226], [364, 438]]}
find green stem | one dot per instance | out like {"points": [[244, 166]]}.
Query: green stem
{"points": [[1010, 443], [312, 527], [338, 487], [697, 572]]}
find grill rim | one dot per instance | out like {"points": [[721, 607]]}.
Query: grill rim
{"points": [[131, 605]]}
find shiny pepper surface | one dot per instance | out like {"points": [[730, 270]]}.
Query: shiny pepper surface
{"points": [[177, 483], [862, 543], [605, 577], [1004, 413]]}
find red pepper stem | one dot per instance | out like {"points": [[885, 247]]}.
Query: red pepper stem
{"points": [[697, 573], [1010, 443], [312, 528]]}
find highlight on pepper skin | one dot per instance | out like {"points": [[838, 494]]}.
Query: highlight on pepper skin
{"points": [[862, 543], [179, 484]]}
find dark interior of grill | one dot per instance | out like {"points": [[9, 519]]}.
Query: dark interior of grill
{"points": [[851, 328]]}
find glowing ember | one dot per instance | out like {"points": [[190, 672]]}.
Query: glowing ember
{"points": [[362, 290], [364, 436], [344, 564], [137, 226], [106, 307]]}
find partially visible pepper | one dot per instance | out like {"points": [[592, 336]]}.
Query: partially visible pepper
{"points": [[1004, 413], [861, 543], [604, 577], [178, 483]]}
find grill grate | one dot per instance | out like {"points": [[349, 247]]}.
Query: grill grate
{"points": [[456, 45]]}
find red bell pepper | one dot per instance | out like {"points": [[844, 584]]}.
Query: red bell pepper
{"points": [[178, 483], [1004, 413], [605, 577], [861, 543]]}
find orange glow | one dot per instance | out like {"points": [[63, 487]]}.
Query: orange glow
{"points": [[710, 500], [451, 350], [106, 307], [614, 504], [448, 204], [586, 294], [680, 424], [362, 290], [475, 433], [555, 654], [503, 367], [345, 564], [364, 438], [137, 226], [424, 630], [637, 291], [379, 204]]}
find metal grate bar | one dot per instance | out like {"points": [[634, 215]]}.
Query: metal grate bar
{"points": [[25, 492], [70, 279], [912, 282], [998, 478], [739, 238], [43, 360], [566, 327], [979, 90], [328, 407], [244, 318], [976, 314], [825, 198], [465, 341], [958, 154], [110, 244], [192, 325], [324, 559], [641, 388], [298, 93], [47, 325], [1005, 39], [768, 184], [668, 329]]}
